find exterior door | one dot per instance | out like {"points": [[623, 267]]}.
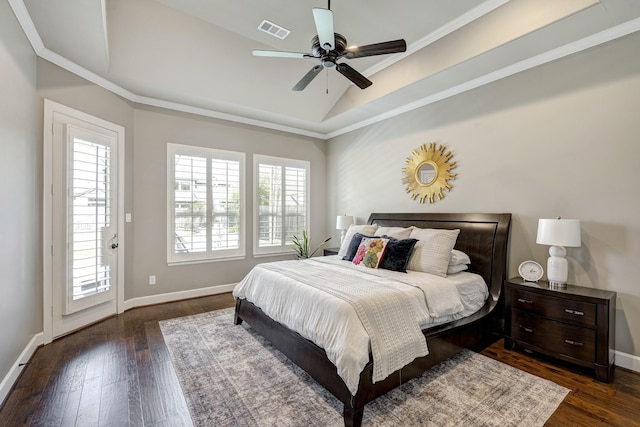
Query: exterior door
{"points": [[84, 227]]}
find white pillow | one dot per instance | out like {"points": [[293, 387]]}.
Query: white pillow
{"points": [[366, 229], [452, 269], [433, 250], [459, 257], [396, 232]]}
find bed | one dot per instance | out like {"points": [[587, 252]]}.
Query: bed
{"points": [[483, 237]]}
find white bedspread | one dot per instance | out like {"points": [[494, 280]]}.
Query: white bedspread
{"points": [[333, 324]]}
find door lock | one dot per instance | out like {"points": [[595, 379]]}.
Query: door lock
{"points": [[114, 245]]}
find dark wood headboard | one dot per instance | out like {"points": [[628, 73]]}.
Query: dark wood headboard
{"points": [[484, 237]]}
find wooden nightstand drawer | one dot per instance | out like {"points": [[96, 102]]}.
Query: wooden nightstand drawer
{"points": [[563, 309], [561, 338], [573, 323]]}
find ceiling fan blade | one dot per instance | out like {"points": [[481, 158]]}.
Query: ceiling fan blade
{"points": [[278, 54], [394, 46], [324, 27], [358, 79], [308, 77]]}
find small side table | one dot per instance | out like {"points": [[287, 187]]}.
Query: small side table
{"points": [[331, 251], [575, 324]]}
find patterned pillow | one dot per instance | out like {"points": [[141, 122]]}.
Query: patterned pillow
{"points": [[353, 246], [370, 252], [368, 230], [397, 254], [433, 250]]}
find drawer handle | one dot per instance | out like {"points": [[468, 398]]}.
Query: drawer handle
{"points": [[576, 312], [524, 328], [525, 301], [571, 342]]}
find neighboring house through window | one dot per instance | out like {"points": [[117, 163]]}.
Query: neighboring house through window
{"points": [[205, 204]]}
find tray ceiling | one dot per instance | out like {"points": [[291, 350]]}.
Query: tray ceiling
{"points": [[195, 55]]}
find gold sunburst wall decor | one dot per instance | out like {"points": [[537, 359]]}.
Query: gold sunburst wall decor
{"points": [[428, 172]]}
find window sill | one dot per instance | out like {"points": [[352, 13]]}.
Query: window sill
{"points": [[203, 261]]}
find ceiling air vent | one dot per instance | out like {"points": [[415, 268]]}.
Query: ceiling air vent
{"points": [[274, 29]]}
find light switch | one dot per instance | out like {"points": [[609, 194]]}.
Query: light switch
{"points": [[127, 217]]}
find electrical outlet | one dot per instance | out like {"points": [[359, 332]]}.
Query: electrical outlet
{"points": [[152, 280]]}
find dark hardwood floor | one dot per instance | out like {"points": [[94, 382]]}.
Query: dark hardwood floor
{"points": [[118, 373]]}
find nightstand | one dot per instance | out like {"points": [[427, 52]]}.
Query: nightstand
{"points": [[574, 324], [331, 251]]}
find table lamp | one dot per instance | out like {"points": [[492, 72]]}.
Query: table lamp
{"points": [[559, 233], [343, 222]]}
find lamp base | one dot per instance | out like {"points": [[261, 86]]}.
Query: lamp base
{"points": [[557, 285], [557, 267]]}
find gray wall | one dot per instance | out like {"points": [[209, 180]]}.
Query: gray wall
{"points": [[20, 193], [147, 131], [560, 139], [153, 130]]}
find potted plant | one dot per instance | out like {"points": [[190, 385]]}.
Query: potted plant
{"points": [[303, 246]]}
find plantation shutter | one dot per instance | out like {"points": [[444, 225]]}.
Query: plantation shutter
{"points": [[282, 203], [206, 204]]}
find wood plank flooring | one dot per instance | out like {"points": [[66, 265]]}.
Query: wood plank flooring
{"points": [[118, 373]]}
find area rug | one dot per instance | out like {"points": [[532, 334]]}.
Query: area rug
{"points": [[231, 376]]}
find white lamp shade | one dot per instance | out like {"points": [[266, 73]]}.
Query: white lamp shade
{"points": [[343, 222], [559, 232]]}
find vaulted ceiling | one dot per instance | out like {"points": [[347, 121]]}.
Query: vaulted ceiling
{"points": [[195, 55]]}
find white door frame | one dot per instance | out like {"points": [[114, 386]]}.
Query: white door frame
{"points": [[51, 107]]}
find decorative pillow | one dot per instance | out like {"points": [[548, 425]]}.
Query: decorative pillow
{"points": [[368, 230], [353, 246], [370, 251], [459, 257], [433, 250], [396, 232], [397, 254], [452, 269]]}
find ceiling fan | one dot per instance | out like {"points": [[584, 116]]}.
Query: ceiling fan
{"points": [[328, 47]]}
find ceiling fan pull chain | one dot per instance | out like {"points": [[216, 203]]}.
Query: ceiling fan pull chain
{"points": [[327, 73]]}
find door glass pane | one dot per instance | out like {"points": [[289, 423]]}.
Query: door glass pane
{"points": [[90, 216]]}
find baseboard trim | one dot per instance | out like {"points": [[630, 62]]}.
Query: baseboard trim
{"points": [[176, 296], [627, 361], [9, 380]]}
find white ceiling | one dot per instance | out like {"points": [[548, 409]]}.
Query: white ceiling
{"points": [[195, 55]]}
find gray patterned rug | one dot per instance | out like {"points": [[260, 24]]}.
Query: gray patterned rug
{"points": [[231, 376]]}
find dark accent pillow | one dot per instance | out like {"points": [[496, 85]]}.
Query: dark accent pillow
{"points": [[353, 246], [396, 255]]}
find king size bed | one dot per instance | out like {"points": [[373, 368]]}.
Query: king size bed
{"points": [[269, 300]]}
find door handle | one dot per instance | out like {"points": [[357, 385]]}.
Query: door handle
{"points": [[114, 246]]}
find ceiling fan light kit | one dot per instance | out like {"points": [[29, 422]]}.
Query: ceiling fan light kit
{"points": [[328, 47]]}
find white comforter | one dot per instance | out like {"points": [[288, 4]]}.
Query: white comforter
{"points": [[333, 324]]}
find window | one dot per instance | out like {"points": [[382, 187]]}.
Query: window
{"points": [[205, 204], [281, 189]]}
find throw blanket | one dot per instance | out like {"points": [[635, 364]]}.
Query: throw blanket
{"points": [[385, 313]]}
